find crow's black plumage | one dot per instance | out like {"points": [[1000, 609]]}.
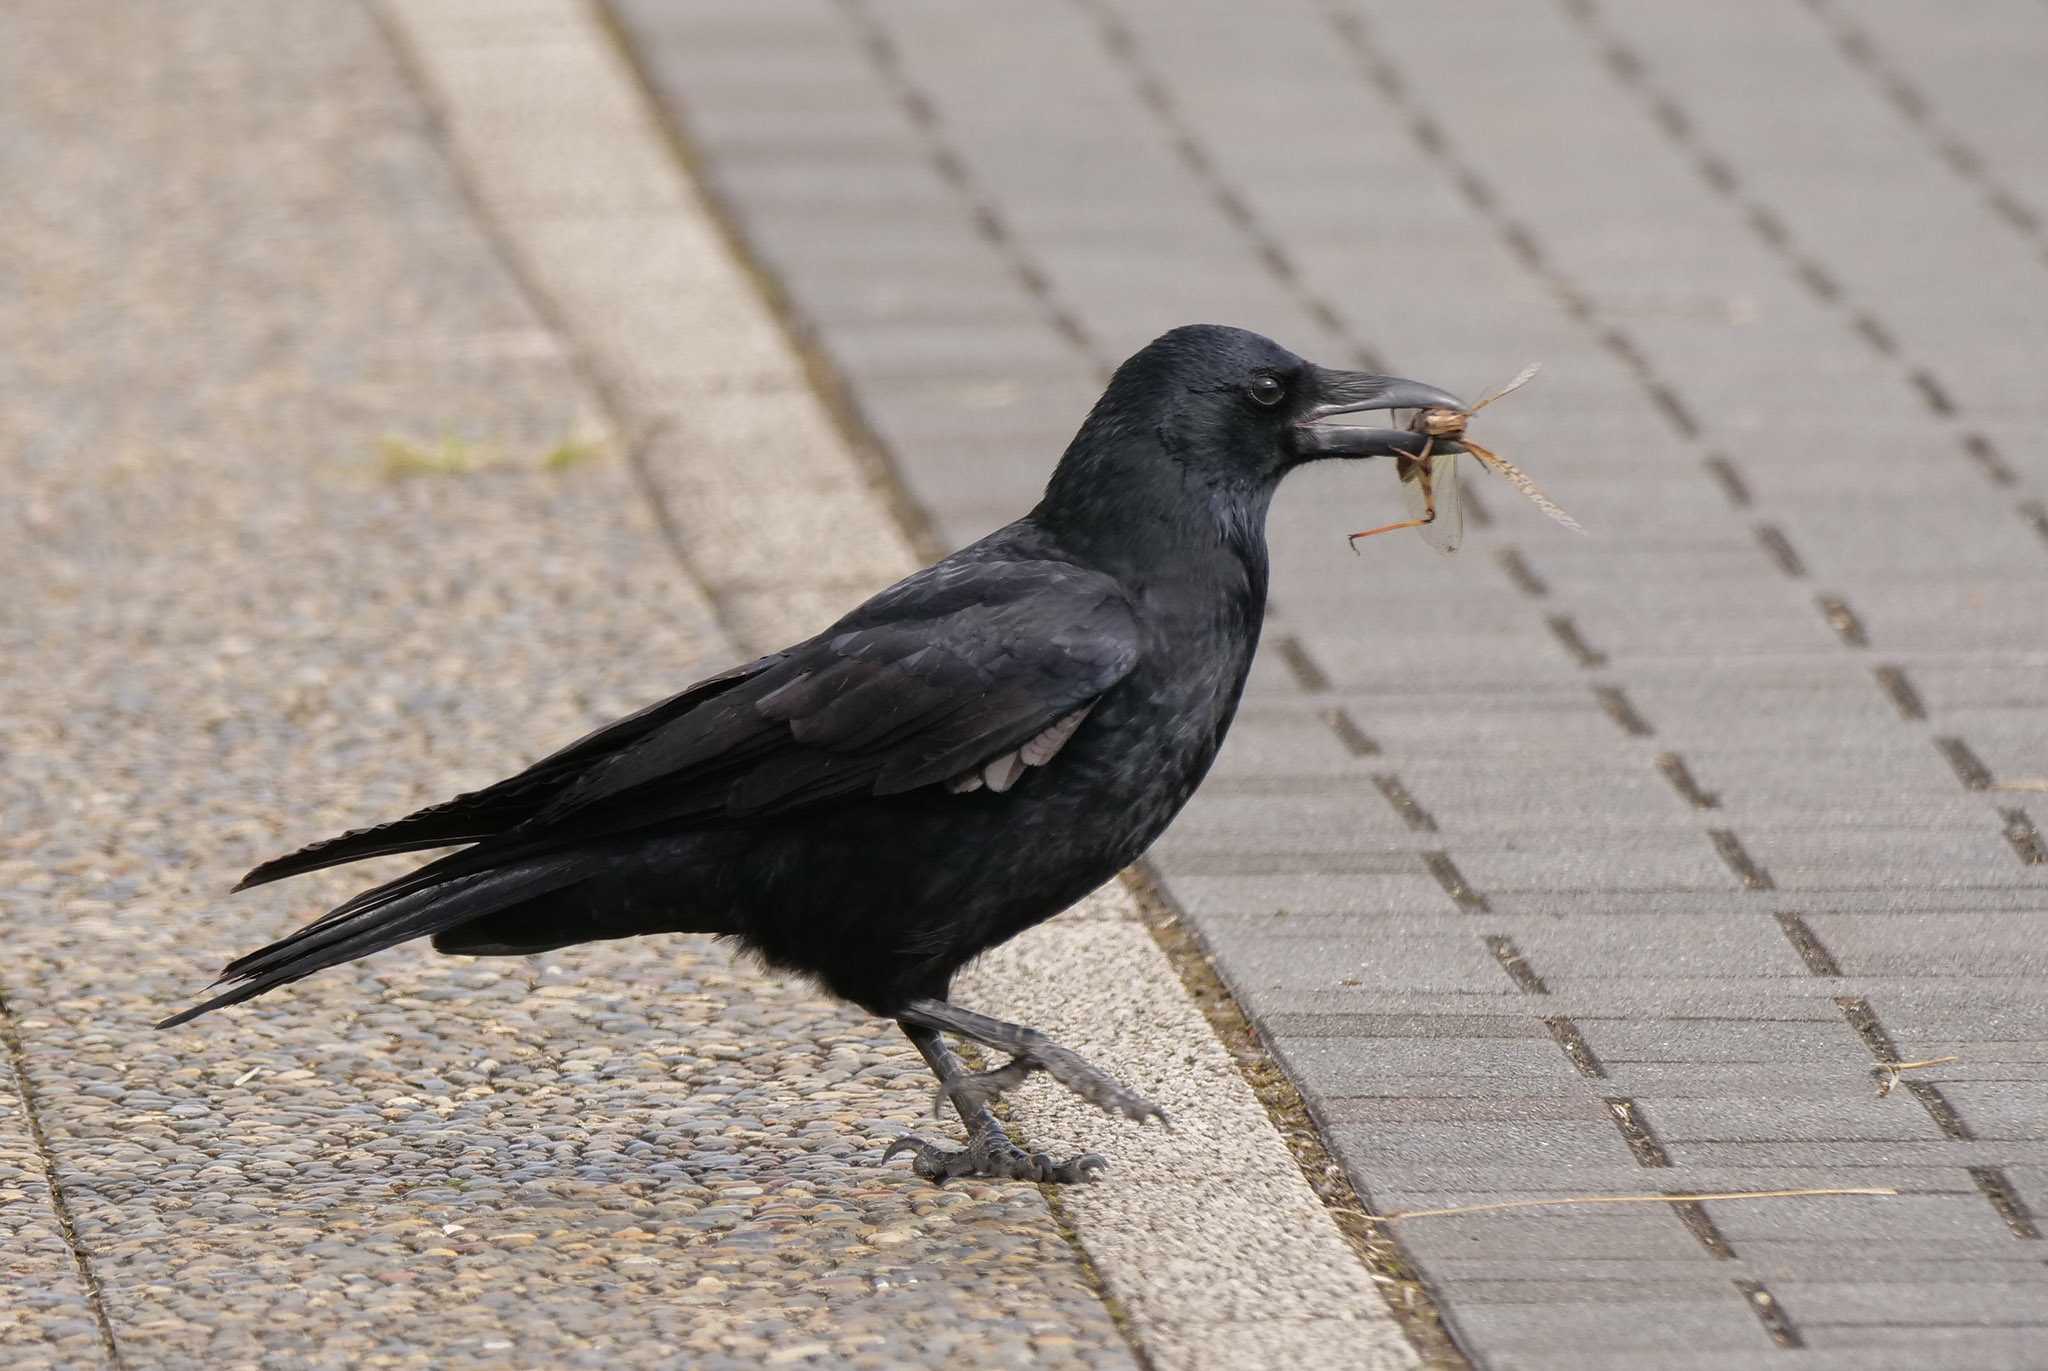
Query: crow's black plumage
{"points": [[957, 759]]}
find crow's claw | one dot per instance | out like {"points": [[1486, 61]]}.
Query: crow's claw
{"points": [[1097, 1087], [991, 1154]]}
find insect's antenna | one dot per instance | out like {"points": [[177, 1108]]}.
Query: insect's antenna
{"points": [[1527, 374], [1519, 479]]}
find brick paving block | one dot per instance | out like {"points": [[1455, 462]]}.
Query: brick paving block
{"points": [[1708, 1284], [1651, 1235], [1954, 943], [1956, 1344], [1822, 1302], [1474, 1066], [1953, 1220], [1818, 1035], [1398, 884], [1381, 1149], [1724, 1325], [1998, 1357]]}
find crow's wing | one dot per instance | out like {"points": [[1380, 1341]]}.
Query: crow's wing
{"points": [[940, 676]]}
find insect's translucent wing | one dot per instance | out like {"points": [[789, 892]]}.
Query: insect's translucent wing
{"points": [[1430, 486]]}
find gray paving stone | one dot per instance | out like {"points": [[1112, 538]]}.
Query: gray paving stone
{"points": [[1725, 1325]]}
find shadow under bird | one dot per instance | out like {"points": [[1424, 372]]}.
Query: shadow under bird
{"points": [[956, 760]]}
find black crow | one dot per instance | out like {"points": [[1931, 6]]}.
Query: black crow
{"points": [[961, 757]]}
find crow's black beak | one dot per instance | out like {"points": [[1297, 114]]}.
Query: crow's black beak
{"points": [[1351, 392]]}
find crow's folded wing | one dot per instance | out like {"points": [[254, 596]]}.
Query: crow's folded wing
{"points": [[974, 669]]}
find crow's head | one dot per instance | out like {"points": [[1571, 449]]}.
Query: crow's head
{"points": [[1227, 412]]}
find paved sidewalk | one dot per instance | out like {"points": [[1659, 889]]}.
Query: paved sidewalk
{"points": [[383, 407], [1563, 866]]}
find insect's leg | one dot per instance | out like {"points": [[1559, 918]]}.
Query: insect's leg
{"points": [[1429, 516], [1390, 528]]}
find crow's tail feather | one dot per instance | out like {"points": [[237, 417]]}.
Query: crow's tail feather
{"points": [[496, 810], [399, 912]]}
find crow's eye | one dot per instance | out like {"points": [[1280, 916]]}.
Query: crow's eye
{"points": [[1267, 390]]}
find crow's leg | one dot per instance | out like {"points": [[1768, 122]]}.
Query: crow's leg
{"points": [[989, 1151], [1030, 1051]]}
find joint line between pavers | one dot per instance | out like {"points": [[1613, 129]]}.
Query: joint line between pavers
{"points": [[1566, 630], [1808, 945], [1455, 885], [1520, 573], [95, 1294], [1898, 688], [1969, 768], [1998, 1188], [1301, 664], [1518, 967], [1403, 803], [1565, 1032], [1737, 858], [1867, 1026], [1729, 479], [1673, 768], [1356, 740], [1843, 620], [1981, 451], [1771, 1314], [1780, 550], [1704, 1230], [1643, 1142], [1616, 705]]}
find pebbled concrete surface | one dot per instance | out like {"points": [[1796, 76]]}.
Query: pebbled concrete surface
{"points": [[1686, 824]]}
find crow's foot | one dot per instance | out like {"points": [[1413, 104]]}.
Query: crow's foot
{"points": [[1067, 1067], [990, 1153]]}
